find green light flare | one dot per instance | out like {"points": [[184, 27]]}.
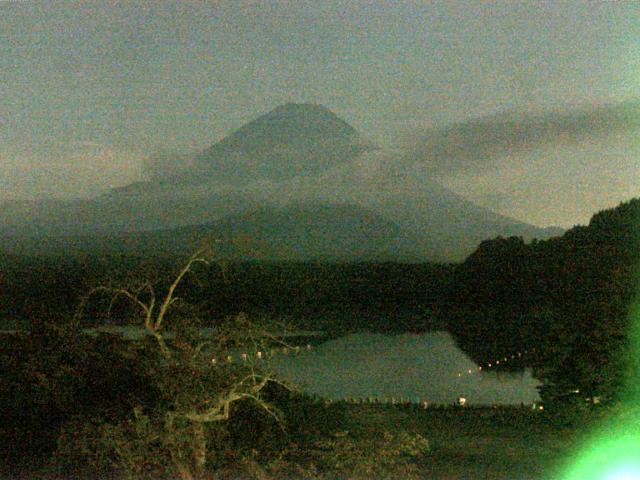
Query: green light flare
{"points": [[613, 452]]}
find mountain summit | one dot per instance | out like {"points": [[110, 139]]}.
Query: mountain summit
{"points": [[293, 139], [297, 180], [292, 123]]}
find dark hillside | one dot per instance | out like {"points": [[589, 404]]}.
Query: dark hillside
{"points": [[566, 297]]}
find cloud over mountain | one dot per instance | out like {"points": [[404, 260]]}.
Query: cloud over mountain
{"points": [[473, 146]]}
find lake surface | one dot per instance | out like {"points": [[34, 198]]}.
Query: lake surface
{"points": [[427, 366], [415, 367]]}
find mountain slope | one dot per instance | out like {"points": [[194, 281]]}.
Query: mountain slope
{"points": [[158, 210], [318, 232], [401, 189], [327, 232]]}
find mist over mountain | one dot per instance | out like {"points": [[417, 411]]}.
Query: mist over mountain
{"points": [[299, 178], [45, 168], [402, 189]]}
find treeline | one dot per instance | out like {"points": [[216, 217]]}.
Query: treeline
{"points": [[336, 298], [568, 298], [34, 289]]}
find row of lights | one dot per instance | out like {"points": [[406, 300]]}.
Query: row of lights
{"points": [[259, 355], [379, 400], [417, 403], [496, 363]]}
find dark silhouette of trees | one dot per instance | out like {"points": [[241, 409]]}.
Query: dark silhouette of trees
{"points": [[567, 298]]}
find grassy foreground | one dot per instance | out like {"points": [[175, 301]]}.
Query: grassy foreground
{"points": [[464, 443], [474, 443]]}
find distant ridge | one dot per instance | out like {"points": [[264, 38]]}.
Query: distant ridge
{"points": [[304, 232]]}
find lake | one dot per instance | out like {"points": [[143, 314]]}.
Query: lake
{"points": [[416, 367], [419, 367]]}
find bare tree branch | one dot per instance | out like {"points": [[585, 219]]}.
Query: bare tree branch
{"points": [[235, 383], [195, 258]]}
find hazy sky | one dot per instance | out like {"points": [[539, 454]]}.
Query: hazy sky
{"points": [[87, 89]]}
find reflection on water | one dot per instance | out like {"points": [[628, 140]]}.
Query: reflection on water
{"points": [[416, 367]]}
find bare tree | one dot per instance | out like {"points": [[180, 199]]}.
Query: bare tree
{"points": [[200, 372]]}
